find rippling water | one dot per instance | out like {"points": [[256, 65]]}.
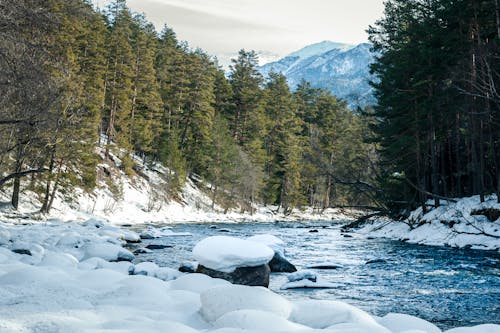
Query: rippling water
{"points": [[448, 287]]}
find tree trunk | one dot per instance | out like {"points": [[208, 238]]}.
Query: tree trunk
{"points": [[54, 191], [327, 202], [45, 204], [17, 179], [434, 163]]}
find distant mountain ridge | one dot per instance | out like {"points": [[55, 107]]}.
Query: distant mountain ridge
{"points": [[342, 69]]}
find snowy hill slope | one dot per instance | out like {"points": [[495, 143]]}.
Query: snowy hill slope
{"points": [[144, 198], [339, 68]]}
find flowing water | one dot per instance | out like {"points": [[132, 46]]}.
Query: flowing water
{"points": [[449, 287]]}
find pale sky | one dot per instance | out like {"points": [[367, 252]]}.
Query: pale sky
{"points": [[273, 28]]}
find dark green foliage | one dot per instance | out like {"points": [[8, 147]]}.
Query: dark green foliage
{"points": [[437, 115], [111, 77]]}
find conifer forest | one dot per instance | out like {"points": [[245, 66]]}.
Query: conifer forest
{"points": [[73, 78]]}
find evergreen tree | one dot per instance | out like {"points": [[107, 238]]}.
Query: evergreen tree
{"points": [[119, 80], [283, 145]]}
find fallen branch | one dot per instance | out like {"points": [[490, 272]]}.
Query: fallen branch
{"points": [[21, 174], [362, 220], [435, 196]]}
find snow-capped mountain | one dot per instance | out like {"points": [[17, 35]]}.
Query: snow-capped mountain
{"points": [[340, 68]]}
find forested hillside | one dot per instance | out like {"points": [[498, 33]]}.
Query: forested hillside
{"points": [[73, 79], [438, 113]]}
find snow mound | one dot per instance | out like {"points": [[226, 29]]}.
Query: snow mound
{"points": [[322, 314], [272, 241], [197, 283], [225, 254], [152, 269], [487, 328], [107, 251], [398, 323], [257, 320], [58, 259], [218, 301]]}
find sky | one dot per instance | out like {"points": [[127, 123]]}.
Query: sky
{"points": [[273, 28]]}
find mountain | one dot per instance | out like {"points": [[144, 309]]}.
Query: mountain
{"points": [[342, 69]]}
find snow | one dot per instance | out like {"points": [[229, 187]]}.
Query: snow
{"points": [[256, 320], [272, 241], [220, 300], [197, 283], [225, 254], [451, 224], [142, 199], [312, 313], [399, 323], [109, 252], [476, 329], [59, 289]]}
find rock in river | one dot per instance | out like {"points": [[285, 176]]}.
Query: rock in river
{"points": [[280, 264], [249, 276], [233, 259]]}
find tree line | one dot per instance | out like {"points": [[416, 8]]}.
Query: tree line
{"points": [[73, 79], [437, 121]]}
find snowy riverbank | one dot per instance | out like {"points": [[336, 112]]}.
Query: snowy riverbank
{"points": [[62, 277], [142, 198], [464, 223]]}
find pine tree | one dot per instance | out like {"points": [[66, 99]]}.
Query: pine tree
{"points": [[119, 80], [283, 145], [146, 101]]}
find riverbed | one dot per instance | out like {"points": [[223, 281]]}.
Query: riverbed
{"points": [[448, 287]]}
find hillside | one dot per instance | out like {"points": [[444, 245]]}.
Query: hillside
{"points": [[143, 197]]}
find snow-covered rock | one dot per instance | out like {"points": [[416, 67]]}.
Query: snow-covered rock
{"points": [[197, 283], [106, 251], [225, 254], [306, 279], [272, 241], [488, 328], [152, 269], [399, 323], [58, 259], [278, 264], [220, 300], [321, 314], [257, 320], [123, 267]]}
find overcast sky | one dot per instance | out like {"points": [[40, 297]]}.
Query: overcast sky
{"points": [[274, 28]]}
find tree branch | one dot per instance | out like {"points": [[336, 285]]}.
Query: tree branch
{"points": [[21, 174]]}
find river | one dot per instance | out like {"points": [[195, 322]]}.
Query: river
{"points": [[448, 287]]}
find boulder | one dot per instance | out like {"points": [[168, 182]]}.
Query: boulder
{"points": [[279, 264], [22, 251], [142, 250], [325, 265], [158, 246], [376, 261], [225, 254], [188, 267], [249, 276], [306, 279]]}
